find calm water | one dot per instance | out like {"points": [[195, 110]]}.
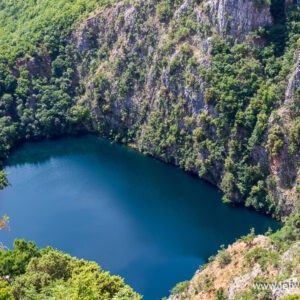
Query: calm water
{"points": [[147, 221]]}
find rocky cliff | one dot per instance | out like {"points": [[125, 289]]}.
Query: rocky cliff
{"points": [[237, 18]]}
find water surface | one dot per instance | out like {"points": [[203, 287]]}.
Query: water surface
{"points": [[147, 221]]}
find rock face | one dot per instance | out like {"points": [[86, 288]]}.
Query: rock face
{"points": [[285, 167], [237, 18], [294, 81], [290, 2]]}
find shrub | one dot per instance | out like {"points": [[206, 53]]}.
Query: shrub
{"points": [[164, 10], [223, 257], [3, 180], [180, 288]]}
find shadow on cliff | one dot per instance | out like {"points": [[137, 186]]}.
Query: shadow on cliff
{"points": [[277, 34]]}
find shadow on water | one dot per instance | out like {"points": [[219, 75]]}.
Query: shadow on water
{"points": [[148, 221], [47, 149]]}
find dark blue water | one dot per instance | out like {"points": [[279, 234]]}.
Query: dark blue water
{"points": [[147, 221]]}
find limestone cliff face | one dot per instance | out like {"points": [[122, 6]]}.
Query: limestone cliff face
{"points": [[290, 2], [294, 80], [142, 65], [285, 167], [237, 18]]}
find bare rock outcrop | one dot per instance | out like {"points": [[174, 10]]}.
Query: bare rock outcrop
{"points": [[237, 18]]}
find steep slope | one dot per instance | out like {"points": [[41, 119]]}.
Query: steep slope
{"points": [[254, 267]]}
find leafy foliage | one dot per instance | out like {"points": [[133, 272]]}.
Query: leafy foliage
{"points": [[223, 257], [180, 288], [27, 24], [51, 274], [3, 180], [14, 262]]}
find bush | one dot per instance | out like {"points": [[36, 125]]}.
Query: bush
{"points": [[164, 10], [275, 140], [220, 294], [223, 257], [5, 291], [3, 180], [14, 262], [180, 288], [228, 187]]}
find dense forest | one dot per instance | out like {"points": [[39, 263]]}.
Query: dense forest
{"points": [[187, 82]]}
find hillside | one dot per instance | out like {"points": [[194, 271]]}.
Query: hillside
{"points": [[263, 267], [210, 86]]}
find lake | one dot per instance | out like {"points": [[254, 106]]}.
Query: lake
{"points": [[147, 221]]}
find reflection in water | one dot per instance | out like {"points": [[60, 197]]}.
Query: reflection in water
{"points": [[137, 217]]}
